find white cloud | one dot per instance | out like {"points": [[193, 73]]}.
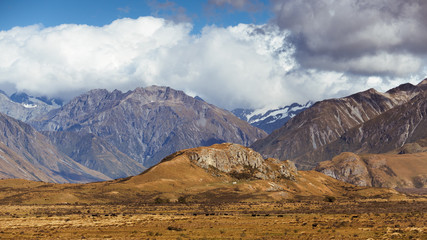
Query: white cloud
{"points": [[240, 66], [235, 66]]}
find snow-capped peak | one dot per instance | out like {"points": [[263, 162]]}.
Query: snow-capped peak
{"points": [[270, 119]]}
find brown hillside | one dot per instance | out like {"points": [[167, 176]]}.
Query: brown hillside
{"points": [[224, 172]]}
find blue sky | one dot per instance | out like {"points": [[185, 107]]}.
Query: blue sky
{"points": [[232, 53], [101, 12]]}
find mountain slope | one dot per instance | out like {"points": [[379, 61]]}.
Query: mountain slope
{"points": [[272, 119], [149, 123], [327, 121], [95, 153], [25, 153]]}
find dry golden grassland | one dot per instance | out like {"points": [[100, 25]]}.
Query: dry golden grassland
{"points": [[375, 219]]}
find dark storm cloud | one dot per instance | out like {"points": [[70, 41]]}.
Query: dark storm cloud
{"points": [[358, 36]]}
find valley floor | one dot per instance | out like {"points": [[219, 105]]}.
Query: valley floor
{"points": [[376, 219]]}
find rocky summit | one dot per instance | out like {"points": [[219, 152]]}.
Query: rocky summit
{"points": [[148, 124], [239, 161]]}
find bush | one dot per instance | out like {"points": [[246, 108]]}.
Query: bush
{"points": [[329, 199], [159, 200], [182, 200]]}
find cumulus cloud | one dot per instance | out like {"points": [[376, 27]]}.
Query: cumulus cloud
{"points": [[240, 66], [365, 37]]}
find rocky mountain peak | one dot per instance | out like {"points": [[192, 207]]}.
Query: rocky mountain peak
{"points": [[240, 161], [157, 94]]}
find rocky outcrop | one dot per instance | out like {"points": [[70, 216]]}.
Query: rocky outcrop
{"points": [[305, 138], [240, 162], [26, 153], [148, 124]]}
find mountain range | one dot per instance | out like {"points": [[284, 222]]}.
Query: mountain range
{"points": [[148, 124], [363, 139], [333, 126]]}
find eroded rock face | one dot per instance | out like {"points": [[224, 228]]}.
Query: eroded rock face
{"points": [[241, 162]]}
